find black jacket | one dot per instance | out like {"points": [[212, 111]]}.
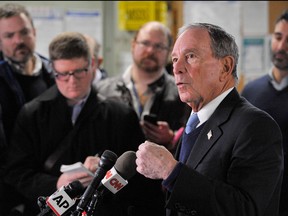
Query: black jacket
{"points": [[16, 90], [44, 125]]}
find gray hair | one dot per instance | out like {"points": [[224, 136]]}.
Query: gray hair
{"points": [[222, 43]]}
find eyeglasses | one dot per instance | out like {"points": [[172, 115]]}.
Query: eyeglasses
{"points": [[156, 47], [78, 74]]}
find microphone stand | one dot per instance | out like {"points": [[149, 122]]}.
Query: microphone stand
{"points": [[93, 203], [106, 162], [44, 209]]}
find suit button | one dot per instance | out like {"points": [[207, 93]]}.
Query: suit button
{"points": [[193, 212], [179, 207]]}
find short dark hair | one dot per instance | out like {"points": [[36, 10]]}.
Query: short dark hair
{"points": [[12, 9], [69, 45], [283, 16]]}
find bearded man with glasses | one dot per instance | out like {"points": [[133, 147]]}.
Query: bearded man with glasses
{"points": [[69, 123], [147, 87]]}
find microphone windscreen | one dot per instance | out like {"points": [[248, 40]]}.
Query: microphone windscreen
{"points": [[126, 165], [74, 189], [107, 160]]}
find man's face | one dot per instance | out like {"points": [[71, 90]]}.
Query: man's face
{"points": [[73, 88], [17, 38], [150, 51], [197, 72], [279, 46]]}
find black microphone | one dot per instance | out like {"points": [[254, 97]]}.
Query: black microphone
{"points": [[115, 179], [107, 160], [61, 200]]}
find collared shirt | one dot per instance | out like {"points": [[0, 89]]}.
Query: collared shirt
{"points": [[98, 76], [77, 108], [18, 69], [206, 111], [278, 86]]}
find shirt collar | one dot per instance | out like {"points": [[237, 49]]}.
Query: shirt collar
{"points": [[278, 86], [205, 113], [82, 101], [98, 76], [20, 70], [154, 86]]}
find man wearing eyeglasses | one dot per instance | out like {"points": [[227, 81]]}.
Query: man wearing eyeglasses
{"points": [[69, 123], [148, 88]]}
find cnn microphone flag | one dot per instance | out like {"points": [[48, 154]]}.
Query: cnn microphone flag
{"points": [[113, 181]]}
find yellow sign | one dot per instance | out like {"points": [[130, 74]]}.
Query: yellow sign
{"points": [[133, 14]]}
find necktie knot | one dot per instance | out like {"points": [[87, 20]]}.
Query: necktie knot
{"points": [[193, 121]]}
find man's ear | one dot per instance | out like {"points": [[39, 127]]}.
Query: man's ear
{"points": [[227, 66]]}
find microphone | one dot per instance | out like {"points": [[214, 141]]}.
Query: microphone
{"points": [[61, 200], [107, 160], [115, 179]]}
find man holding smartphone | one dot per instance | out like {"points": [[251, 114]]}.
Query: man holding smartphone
{"points": [[148, 88]]}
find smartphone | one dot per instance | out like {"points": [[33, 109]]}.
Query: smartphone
{"points": [[151, 118]]}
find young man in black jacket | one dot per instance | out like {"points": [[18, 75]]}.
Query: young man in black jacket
{"points": [[73, 122]]}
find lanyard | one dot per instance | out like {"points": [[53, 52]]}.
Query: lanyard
{"points": [[140, 107]]}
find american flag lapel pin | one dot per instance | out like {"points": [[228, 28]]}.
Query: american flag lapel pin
{"points": [[209, 135]]}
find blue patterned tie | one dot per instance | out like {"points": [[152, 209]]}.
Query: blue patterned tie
{"points": [[189, 138], [193, 121]]}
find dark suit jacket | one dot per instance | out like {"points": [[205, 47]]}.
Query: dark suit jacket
{"points": [[237, 171], [44, 125]]}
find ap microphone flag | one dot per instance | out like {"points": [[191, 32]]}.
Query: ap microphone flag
{"points": [[60, 202], [62, 199]]}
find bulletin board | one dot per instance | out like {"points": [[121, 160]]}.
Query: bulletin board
{"points": [[253, 54], [49, 22]]}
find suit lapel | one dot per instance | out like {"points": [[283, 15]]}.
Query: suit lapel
{"points": [[211, 131], [203, 144]]}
